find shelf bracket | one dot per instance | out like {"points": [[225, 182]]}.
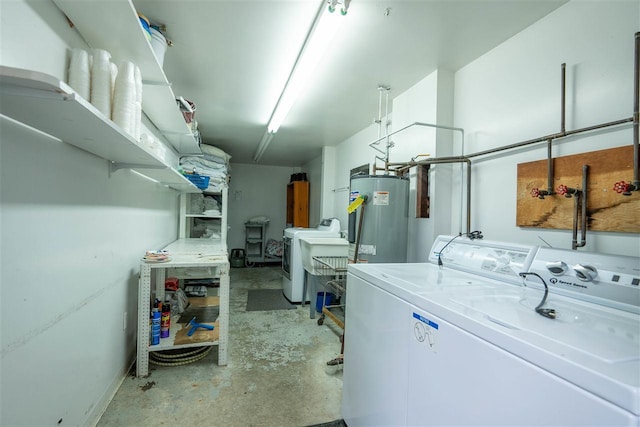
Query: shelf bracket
{"points": [[114, 166], [35, 93], [167, 132], [156, 83]]}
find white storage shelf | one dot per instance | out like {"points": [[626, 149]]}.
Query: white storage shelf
{"points": [[187, 218], [120, 33], [201, 257], [49, 105]]}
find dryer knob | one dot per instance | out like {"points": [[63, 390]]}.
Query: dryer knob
{"points": [[586, 273], [557, 268]]}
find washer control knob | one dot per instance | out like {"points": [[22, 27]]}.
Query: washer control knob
{"points": [[557, 268], [586, 273]]}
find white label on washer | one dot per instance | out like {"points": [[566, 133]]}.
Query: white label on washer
{"points": [[424, 331], [381, 198], [367, 250]]}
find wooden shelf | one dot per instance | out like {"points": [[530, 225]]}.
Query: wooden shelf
{"points": [[169, 342], [121, 34], [47, 104]]}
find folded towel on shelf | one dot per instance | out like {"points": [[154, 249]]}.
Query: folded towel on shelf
{"points": [[261, 219], [215, 152], [206, 229], [196, 204], [211, 204]]}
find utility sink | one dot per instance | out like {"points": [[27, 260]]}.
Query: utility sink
{"points": [[330, 253]]}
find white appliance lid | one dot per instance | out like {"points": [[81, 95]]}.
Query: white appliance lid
{"points": [[329, 227], [592, 346]]}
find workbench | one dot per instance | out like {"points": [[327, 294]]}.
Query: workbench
{"points": [[190, 258]]}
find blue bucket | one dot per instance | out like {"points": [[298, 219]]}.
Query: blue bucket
{"points": [[328, 300]]}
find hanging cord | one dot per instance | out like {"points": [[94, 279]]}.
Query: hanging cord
{"points": [[546, 312], [472, 236], [443, 248]]}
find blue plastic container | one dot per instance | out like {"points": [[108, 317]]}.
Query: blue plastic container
{"points": [[144, 22], [328, 300], [200, 181]]}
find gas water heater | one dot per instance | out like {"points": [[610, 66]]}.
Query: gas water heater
{"points": [[385, 219]]}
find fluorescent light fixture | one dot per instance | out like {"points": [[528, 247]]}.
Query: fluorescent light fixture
{"points": [[323, 31], [317, 42], [264, 142]]}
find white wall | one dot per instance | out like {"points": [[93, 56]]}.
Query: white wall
{"points": [[72, 235], [512, 94], [429, 101], [350, 154], [313, 169], [257, 190]]}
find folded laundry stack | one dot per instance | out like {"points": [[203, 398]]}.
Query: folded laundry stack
{"points": [[213, 163]]}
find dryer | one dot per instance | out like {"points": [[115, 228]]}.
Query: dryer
{"points": [[292, 267], [463, 344]]}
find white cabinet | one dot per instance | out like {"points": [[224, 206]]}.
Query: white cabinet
{"points": [[200, 219]]}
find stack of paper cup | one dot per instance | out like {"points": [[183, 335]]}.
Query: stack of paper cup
{"points": [[124, 98], [79, 73], [114, 73], [101, 81], [138, 106]]}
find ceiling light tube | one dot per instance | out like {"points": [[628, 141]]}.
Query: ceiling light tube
{"points": [[264, 142], [318, 40]]}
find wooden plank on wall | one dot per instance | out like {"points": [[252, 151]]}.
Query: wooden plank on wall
{"points": [[422, 192], [606, 209]]}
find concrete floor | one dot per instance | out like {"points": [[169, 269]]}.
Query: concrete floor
{"points": [[277, 373]]}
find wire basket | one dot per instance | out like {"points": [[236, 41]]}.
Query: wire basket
{"points": [[330, 266], [337, 286]]}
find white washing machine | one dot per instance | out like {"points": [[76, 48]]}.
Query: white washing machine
{"points": [[464, 345], [292, 267]]}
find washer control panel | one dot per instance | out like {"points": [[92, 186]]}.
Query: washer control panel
{"points": [[497, 260], [605, 279]]}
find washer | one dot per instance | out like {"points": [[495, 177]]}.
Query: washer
{"points": [[463, 345], [292, 267]]}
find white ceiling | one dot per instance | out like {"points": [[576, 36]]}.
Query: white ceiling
{"points": [[232, 58]]}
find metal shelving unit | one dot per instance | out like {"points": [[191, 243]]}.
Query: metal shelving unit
{"points": [[254, 242]]}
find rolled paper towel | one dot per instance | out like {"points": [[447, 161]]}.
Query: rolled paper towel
{"points": [[79, 73], [124, 98], [101, 82]]}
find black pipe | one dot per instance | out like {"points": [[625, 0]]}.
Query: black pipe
{"points": [[636, 114], [579, 209], [452, 159], [576, 208], [549, 169], [563, 98], [548, 137], [583, 222]]}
